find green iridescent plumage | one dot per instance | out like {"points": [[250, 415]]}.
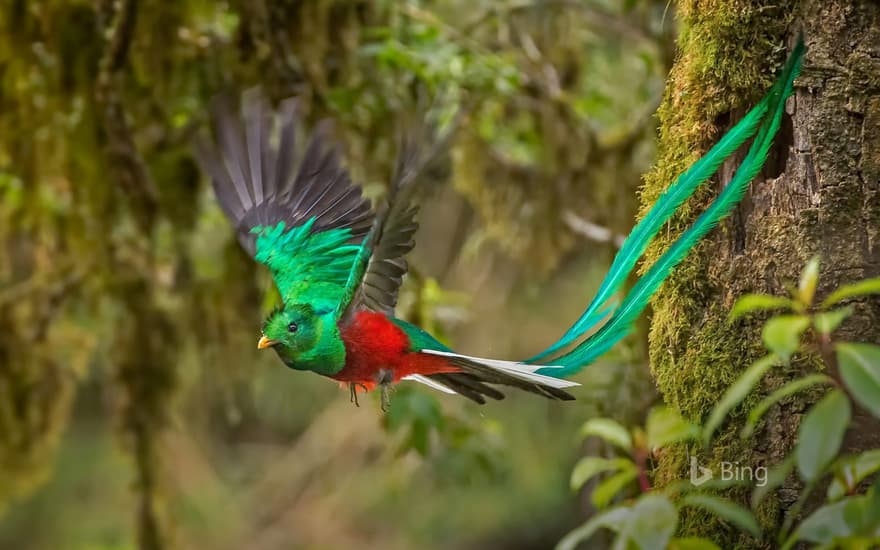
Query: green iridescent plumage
{"points": [[315, 345], [307, 266]]}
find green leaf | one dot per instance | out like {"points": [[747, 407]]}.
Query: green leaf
{"points": [[850, 473], [420, 412], [692, 543], [650, 525], [862, 515], [776, 476], [666, 426], [608, 430], [821, 433], [808, 281], [828, 321], [591, 466], [860, 370], [781, 393], [861, 288], [758, 302], [782, 334], [609, 519], [605, 491], [419, 438], [823, 525], [726, 510], [852, 516], [737, 392]]}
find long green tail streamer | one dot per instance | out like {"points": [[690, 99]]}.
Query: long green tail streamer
{"points": [[768, 113]]}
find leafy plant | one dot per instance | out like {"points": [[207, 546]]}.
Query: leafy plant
{"points": [[850, 515]]}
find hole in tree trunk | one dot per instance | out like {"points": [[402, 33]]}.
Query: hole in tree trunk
{"points": [[778, 157]]}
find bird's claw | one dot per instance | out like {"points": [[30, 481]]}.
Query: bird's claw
{"points": [[353, 395], [385, 397], [384, 380]]}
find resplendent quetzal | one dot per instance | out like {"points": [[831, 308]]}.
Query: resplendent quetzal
{"points": [[338, 265]]}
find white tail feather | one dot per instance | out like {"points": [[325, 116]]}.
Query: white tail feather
{"points": [[523, 371], [430, 383]]}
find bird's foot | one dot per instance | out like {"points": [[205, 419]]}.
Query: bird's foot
{"points": [[384, 379], [353, 392], [385, 396]]}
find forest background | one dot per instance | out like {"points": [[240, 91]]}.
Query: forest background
{"points": [[135, 411]]}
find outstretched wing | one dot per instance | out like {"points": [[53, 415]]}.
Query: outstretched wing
{"points": [[377, 275], [303, 218]]}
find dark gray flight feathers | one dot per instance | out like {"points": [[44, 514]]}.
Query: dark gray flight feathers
{"points": [[393, 232], [261, 179]]}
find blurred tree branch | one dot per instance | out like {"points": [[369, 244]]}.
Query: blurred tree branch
{"points": [[590, 230], [143, 374], [119, 18], [598, 18]]}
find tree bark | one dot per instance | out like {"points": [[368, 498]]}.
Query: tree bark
{"points": [[818, 194]]}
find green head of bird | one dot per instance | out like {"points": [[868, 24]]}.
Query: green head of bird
{"points": [[304, 338]]}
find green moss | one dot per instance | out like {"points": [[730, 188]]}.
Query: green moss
{"points": [[519, 214], [35, 399], [718, 71], [729, 52]]}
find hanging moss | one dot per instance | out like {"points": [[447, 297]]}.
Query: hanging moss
{"points": [[100, 101], [35, 399]]}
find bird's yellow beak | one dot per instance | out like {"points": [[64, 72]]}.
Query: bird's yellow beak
{"points": [[265, 343]]}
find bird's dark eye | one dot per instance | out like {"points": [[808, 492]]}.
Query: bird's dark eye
{"points": [[292, 327]]}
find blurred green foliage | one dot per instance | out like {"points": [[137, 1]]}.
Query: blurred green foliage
{"points": [[125, 302], [848, 517]]}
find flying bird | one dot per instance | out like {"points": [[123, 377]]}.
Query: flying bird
{"points": [[338, 263]]}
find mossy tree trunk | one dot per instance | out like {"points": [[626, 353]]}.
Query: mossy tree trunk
{"points": [[818, 194]]}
